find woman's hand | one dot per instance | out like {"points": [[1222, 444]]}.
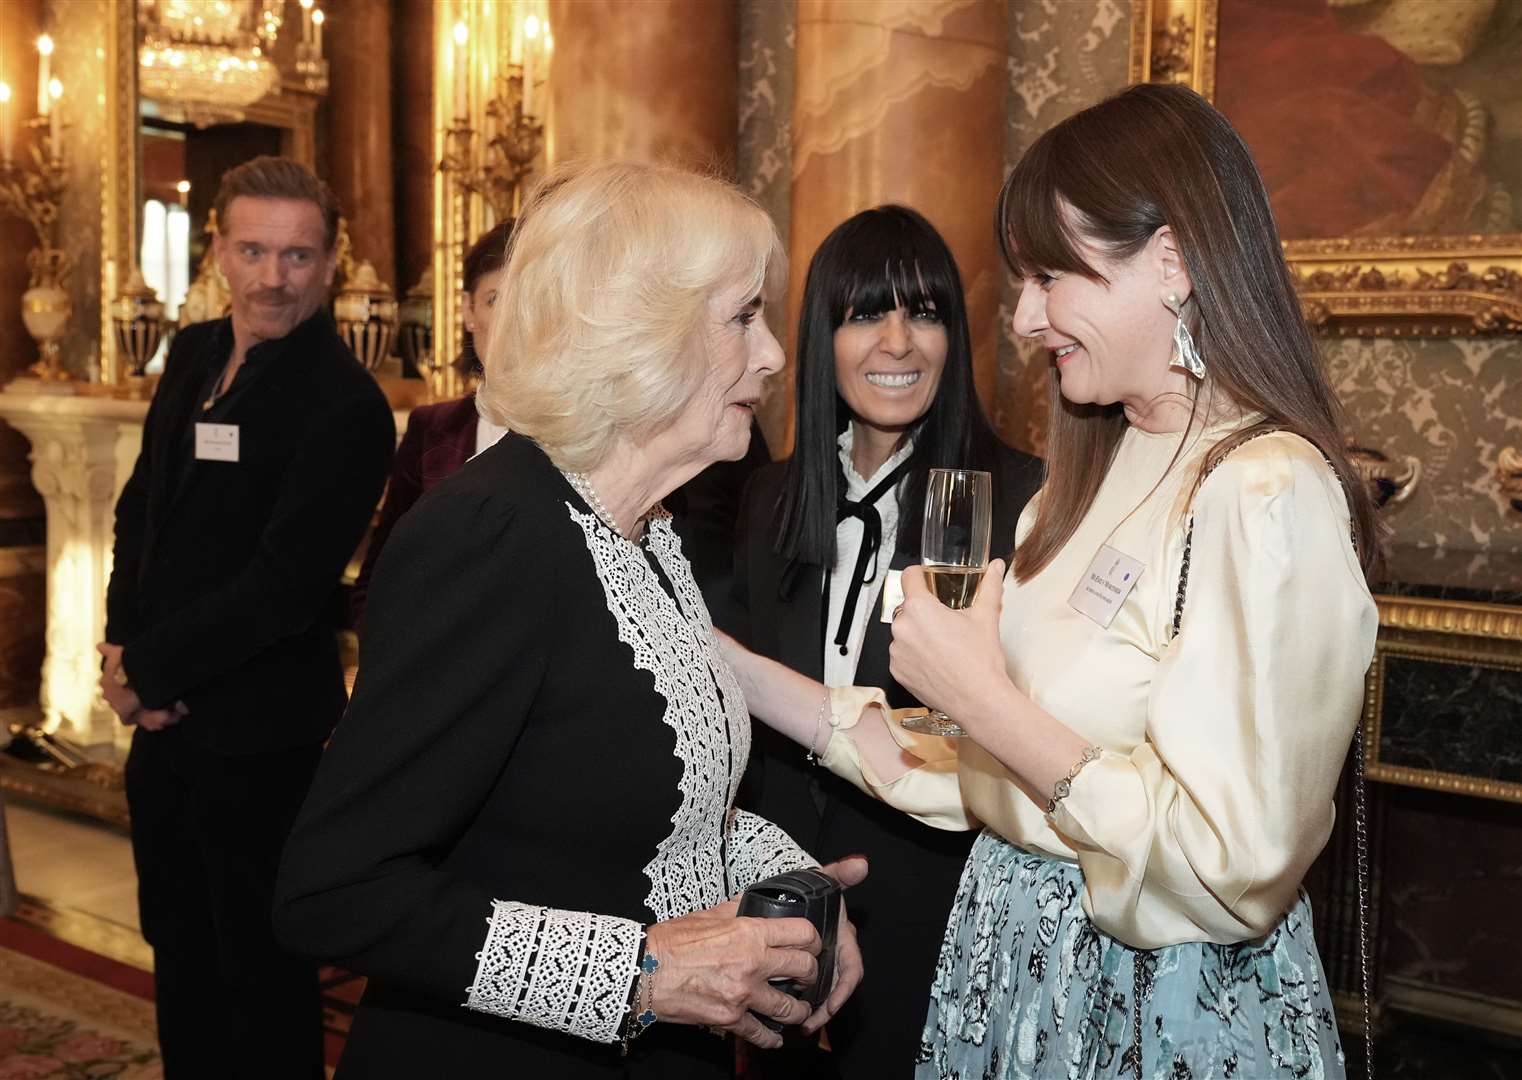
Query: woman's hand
{"points": [[848, 967], [714, 969], [949, 659]]}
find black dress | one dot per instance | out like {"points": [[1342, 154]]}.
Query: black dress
{"points": [[541, 755], [900, 910]]}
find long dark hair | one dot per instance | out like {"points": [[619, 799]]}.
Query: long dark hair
{"points": [[871, 263], [486, 256], [1149, 156]]}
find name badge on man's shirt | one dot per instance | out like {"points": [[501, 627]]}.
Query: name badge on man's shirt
{"points": [[893, 594], [216, 442], [1105, 585]]}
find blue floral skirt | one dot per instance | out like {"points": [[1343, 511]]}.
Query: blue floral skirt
{"points": [[1026, 986]]}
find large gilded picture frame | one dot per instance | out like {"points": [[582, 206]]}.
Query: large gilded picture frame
{"points": [[1397, 281]]}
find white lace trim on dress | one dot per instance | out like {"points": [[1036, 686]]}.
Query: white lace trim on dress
{"points": [[759, 849], [566, 971]]}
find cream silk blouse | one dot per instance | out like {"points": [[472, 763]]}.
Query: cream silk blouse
{"points": [[1221, 746]]}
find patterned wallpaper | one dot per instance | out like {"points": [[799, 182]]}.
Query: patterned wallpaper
{"points": [[1452, 403], [1064, 55], [767, 29]]}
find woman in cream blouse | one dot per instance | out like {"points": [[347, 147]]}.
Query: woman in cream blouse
{"points": [[1160, 694]]}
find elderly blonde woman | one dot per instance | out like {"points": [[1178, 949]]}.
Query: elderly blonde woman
{"points": [[523, 832]]}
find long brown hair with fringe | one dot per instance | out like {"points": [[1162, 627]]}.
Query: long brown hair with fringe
{"points": [[1149, 156]]}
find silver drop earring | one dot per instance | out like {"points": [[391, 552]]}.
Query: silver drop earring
{"points": [[1185, 354]]}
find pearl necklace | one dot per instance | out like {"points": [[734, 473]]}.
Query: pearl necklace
{"points": [[584, 488]]}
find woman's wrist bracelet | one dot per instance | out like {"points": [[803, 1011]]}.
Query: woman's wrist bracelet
{"points": [[813, 755], [1062, 787], [641, 995]]}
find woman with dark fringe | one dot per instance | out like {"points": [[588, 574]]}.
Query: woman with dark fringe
{"points": [[884, 393]]}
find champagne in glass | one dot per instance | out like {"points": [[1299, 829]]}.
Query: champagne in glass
{"points": [[954, 551]]}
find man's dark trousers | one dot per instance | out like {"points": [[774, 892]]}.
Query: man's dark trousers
{"points": [[207, 831]]}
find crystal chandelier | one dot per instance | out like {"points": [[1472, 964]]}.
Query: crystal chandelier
{"points": [[207, 57]]}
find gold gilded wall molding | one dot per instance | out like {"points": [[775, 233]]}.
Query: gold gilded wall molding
{"points": [[1454, 617], [1175, 41], [118, 173], [1392, 286], [1410, 286]]}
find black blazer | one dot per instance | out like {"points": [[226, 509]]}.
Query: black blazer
{"points": [[224, 572], [703, 512], [901, 908]]}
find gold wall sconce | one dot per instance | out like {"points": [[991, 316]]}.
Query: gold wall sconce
{"points": [[490, 108], [1390, 482], [34, 191]]}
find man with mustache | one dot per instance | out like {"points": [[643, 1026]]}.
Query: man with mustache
{"points": [[263, 456]]}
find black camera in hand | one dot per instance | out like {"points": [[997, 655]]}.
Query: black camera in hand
{"points": [[800, 894]]}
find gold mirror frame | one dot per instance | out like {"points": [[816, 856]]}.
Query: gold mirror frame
{"points": [[1395, 286], [292, 111], [119, 173]]}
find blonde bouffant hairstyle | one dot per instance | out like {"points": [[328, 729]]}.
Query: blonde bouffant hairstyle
{"points": [[598, 330]]}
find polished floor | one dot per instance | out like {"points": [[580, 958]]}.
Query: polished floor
{"points": [[76, 878]]}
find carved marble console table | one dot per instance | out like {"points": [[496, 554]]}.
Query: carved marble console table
{"points": [[83, 450]]}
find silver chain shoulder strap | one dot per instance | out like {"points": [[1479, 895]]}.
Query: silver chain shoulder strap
{"points": [[1360, 825]]}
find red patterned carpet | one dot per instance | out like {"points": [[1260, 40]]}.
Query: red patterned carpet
{"points": [[66, 1012]]}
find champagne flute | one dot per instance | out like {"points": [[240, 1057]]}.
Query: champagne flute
{"points": [[954, 551]]}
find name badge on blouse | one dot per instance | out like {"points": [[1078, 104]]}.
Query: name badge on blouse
{"points": [[216, 442], [1105, 585], [893, 594]]}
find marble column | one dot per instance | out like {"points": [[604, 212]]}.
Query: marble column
{"points": [[654, 81], [20, 23], [83, 450], [359, 129], [903, 102], [412, 139]]}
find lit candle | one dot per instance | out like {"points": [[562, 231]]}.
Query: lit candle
{"points": [[461, 99], [306, 21], [318, 18], [55, 91], [44, 51], [530, 48], [5, 122]]}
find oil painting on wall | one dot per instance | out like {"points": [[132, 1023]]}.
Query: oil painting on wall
{"points": [[1379, 117]]}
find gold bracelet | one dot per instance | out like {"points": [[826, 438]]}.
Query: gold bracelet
{"points": [[1062, 787], [813, 756]]}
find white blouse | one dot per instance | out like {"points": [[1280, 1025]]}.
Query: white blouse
{"points": [[841, 670], [1221, 746]]}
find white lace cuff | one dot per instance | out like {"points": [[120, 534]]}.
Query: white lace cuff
{"points": [[567, 971], [757, 850]]}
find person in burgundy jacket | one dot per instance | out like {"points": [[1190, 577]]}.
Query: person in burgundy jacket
{"points": [[443, 436]]}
